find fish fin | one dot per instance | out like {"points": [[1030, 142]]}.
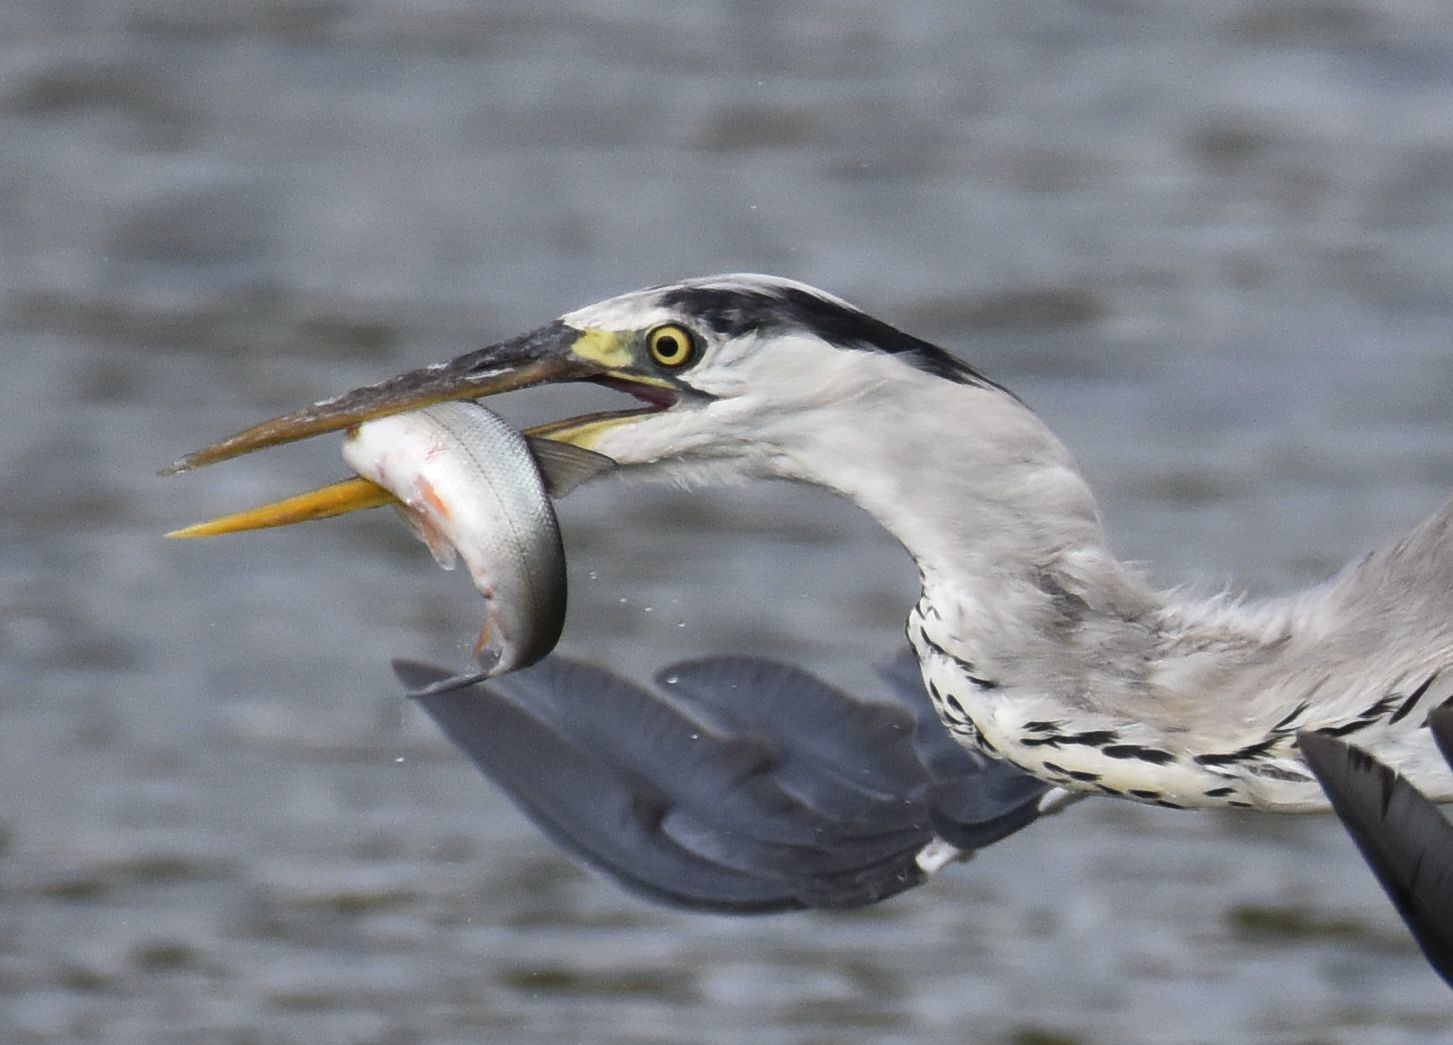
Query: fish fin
{"points": [[422, 527], [447, 685], [424, 680], [564, 466]]}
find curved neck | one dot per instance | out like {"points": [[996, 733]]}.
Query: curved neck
{"points": [[974, 486]]}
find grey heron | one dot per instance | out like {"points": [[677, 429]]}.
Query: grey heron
{"points": [[1042, 653]]}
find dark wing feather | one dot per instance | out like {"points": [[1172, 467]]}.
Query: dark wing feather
{"points": [[609, 821], [868, 746], [974, 800], [730, 776], [1403, 836], [744, 786], [1441, 723]]}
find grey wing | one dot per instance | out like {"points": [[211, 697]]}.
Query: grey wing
{"points": [[741, 785], [1403, 836], [973, 800]]}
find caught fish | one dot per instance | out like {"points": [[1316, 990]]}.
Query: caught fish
{"points": [[468, 484]]}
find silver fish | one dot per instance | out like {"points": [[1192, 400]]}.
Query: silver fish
{"points": [[468, 482]]}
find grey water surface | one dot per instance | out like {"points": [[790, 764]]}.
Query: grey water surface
{"points": [[1211, 243]]}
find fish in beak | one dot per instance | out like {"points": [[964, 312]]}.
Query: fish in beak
{"points": [[552, 354]]}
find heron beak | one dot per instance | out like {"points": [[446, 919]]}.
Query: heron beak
{"points": [[554, 353], [350, 495]]}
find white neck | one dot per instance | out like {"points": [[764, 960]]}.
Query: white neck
{"points": [[987, 501]]}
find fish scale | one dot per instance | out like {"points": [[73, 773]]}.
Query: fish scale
{"points": [[468, 483]]}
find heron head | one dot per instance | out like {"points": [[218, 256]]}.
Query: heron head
{"points": [[733, 377]]}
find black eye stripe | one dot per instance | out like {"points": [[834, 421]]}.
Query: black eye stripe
{"points": [[732, 311]]}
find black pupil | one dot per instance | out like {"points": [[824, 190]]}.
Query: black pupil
{"points": [[667, 346]]}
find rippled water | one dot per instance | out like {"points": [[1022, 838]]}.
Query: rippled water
{"points": [[1208, 242]]}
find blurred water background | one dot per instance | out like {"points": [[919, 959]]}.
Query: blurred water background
{"points": [[1211, 243]]}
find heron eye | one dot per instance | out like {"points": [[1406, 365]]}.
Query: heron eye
{"points": [[671, 345]]}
